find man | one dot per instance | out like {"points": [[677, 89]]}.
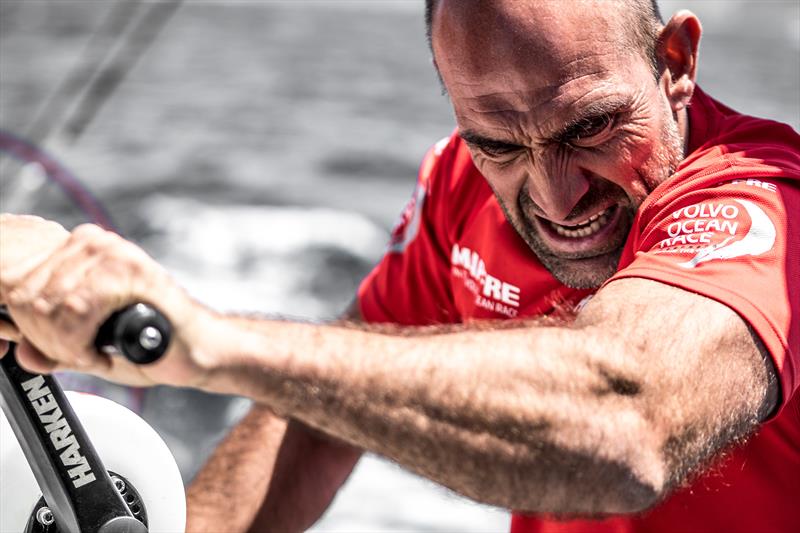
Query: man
{"points": [[586, 162]]}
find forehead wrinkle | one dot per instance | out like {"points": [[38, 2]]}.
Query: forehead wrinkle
{"points": [[586, 64], [526, 101], [485, 95], [511, 101]]}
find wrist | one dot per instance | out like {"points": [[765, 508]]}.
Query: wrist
{"points": [[200, 342], [228, 354]]}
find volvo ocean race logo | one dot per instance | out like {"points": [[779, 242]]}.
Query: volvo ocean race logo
{"points": [[759, 239], [713, 230]]}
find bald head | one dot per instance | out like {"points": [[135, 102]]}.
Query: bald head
{"points": [[638, 20], [567, 114]]}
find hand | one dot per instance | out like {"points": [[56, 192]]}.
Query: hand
{"points": [[59, 299], [25, 241]]}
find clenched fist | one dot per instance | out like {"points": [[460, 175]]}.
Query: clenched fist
{"points": [[60, 286]]}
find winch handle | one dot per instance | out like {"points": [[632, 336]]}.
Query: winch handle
{"points": [[139, 332]]}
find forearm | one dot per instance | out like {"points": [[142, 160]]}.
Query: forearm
{"points": [[269, 475], [228, 492], [309, 470], [506, 427], [598, 418]]}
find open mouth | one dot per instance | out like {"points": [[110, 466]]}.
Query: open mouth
{"points": [[584, 228], [596, 235]]}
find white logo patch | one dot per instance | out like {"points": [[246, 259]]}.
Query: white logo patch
{"points": [[760, 238]]}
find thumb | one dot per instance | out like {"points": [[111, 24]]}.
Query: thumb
{"points": [[9, 332]]}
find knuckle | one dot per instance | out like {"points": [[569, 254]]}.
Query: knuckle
{"points": [[122, 253], [90, 235], [87, 230], [76, 305], [53, 226], [43, 306], [17, 297], [134, 265]]}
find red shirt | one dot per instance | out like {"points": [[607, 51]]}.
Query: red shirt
{"points": [[726, 225]]}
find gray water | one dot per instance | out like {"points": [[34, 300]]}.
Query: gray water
{"points": [[262, 150]]}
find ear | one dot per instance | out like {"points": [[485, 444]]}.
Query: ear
{"points": [[676, 50]]}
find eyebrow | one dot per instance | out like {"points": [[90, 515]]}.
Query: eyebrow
{"points": [[596, 110], [476, 139]]}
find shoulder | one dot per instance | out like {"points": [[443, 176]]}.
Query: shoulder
{"points": [[727, 148], [724, 142], [453, 188], [448, 165]]}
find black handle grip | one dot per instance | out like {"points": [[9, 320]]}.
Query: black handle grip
{"points": [[139, 332]]}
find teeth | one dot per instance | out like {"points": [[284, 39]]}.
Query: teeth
{"points": [[592, 218], [583, 229]]}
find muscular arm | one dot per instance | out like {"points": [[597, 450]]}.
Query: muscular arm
{"points": [[601, 417], [604, 416], [227, 493], [269, 475]]}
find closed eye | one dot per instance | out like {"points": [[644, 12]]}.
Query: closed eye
{"points": [[498, 149], [586, 131], [490, 147]]}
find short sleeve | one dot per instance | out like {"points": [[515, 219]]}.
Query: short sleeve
{"points": [[736, 243], [411, 284]]}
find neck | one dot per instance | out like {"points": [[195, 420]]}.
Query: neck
{"points": [[683, 128]]}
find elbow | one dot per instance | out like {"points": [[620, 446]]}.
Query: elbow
{"points": [[620, 470], [590, 487], [622, 487], [631, 493], [571, 482]]}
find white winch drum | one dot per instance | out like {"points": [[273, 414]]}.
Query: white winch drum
{"points": [[126, 444]]}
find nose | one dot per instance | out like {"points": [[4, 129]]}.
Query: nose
{"points": [[556, 187]]}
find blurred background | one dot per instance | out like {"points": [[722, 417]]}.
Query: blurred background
{"points": [[261, 151]]}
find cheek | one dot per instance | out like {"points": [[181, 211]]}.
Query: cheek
{"points": [[624, 159]]}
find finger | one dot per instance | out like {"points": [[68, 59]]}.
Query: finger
{"points": [[47, 296], [9, 332], [68, 304], [73, 263], [85, 266], [16, 274], [28, 287], [31, 359], [48, 285], [4, 345], [119, 370]]}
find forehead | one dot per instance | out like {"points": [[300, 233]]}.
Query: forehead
{"points": [[511, 56]]}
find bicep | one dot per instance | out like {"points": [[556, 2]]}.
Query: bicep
{"points": [[702, 378]]}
